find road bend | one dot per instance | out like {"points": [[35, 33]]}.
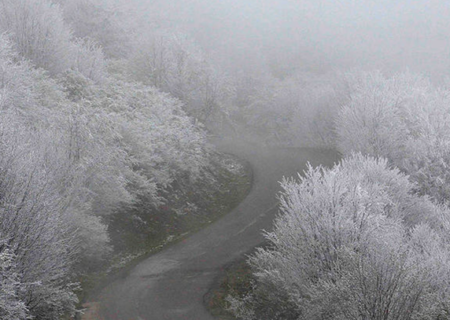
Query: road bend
{"points": [[171, 284]]}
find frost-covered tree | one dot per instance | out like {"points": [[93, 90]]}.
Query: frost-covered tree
{"points": [[405, 119], [149, 139], [144, 116], [296, 110], [352, 242], [39, 103], [175, 64], [88, 59], [108, 23], [38, 32], [11, 306], [35, 221], [76, 144], [382, 114]]}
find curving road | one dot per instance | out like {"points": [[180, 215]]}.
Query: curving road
{"points": [[170, 285]]}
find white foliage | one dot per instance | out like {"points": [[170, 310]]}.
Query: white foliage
{"points": [[156, 131], [34, 220], [405, 119], [73, 148], [38, 32], [342, 247], [104, 21], [380, 115], [88, 59], [298, 110], [11, 307], [173, 63]]}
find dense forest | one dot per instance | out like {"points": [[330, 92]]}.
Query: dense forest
{"points": [[83, 133], [103, 104]]}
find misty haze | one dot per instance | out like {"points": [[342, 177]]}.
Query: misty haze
{"points": [[224, 159]]}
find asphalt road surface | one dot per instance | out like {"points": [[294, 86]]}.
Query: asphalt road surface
{"points": [[171, 284]]}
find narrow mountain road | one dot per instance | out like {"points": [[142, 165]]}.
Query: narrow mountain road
{"points": [[170, 285]]}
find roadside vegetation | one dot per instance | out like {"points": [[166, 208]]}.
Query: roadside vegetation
{"points": [[367, 239], [106, 116], [236, 280], [145, 229], [98, 164]]}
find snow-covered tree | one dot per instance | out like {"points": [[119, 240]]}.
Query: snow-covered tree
{"points": [[38, 32], [88, 59], [11, 306], [173, 63], [155, 131], [381, 114], [76, 144], [352, 242], [35, 220], [108, 23], [297, 110], [405, 119]]}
